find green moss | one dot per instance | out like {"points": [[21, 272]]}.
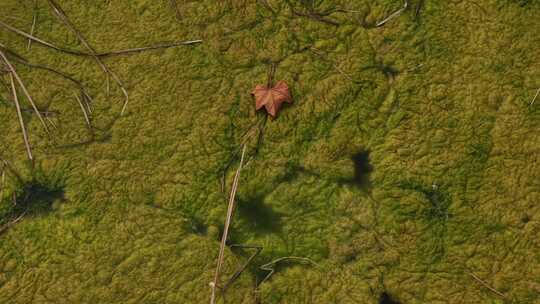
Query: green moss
{"points": [[439, 97]]}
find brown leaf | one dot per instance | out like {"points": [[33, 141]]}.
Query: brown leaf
{"points": [[272, 98]]}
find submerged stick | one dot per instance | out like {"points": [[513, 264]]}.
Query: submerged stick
{"points": [[228, 220], [25, 91], [21, 121]]}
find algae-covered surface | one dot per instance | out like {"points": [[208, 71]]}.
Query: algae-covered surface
{"points": [[407, 170]]}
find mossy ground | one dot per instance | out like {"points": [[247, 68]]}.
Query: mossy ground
{"points": [[435, 104]]}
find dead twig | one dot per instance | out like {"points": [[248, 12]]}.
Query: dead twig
{"points": [[148, 48], [25, 91], [21, 121], [230, 209], [495, 291], [242, 268], [535, 96], [104, 54], [32, 29], [19, 59], [63, 17], [393, 15]]}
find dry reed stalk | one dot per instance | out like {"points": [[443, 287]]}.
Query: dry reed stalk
{"points": [[230, 209]]}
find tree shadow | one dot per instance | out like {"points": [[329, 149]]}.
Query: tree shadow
{"points": [[362, 171], [386, 298]]}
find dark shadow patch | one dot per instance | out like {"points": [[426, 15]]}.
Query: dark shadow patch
{"points": [[256, 216], [386, 298], [362, 171], [35, 197], [362, 168]]}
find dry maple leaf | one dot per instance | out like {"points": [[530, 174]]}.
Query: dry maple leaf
{"points": [[272, 98]]}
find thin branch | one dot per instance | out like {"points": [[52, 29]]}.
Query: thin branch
{"points": [[534, 98], [148, 48], [214, 284], [25, 91], [21, 121], [393, 15], [487, 286]]}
